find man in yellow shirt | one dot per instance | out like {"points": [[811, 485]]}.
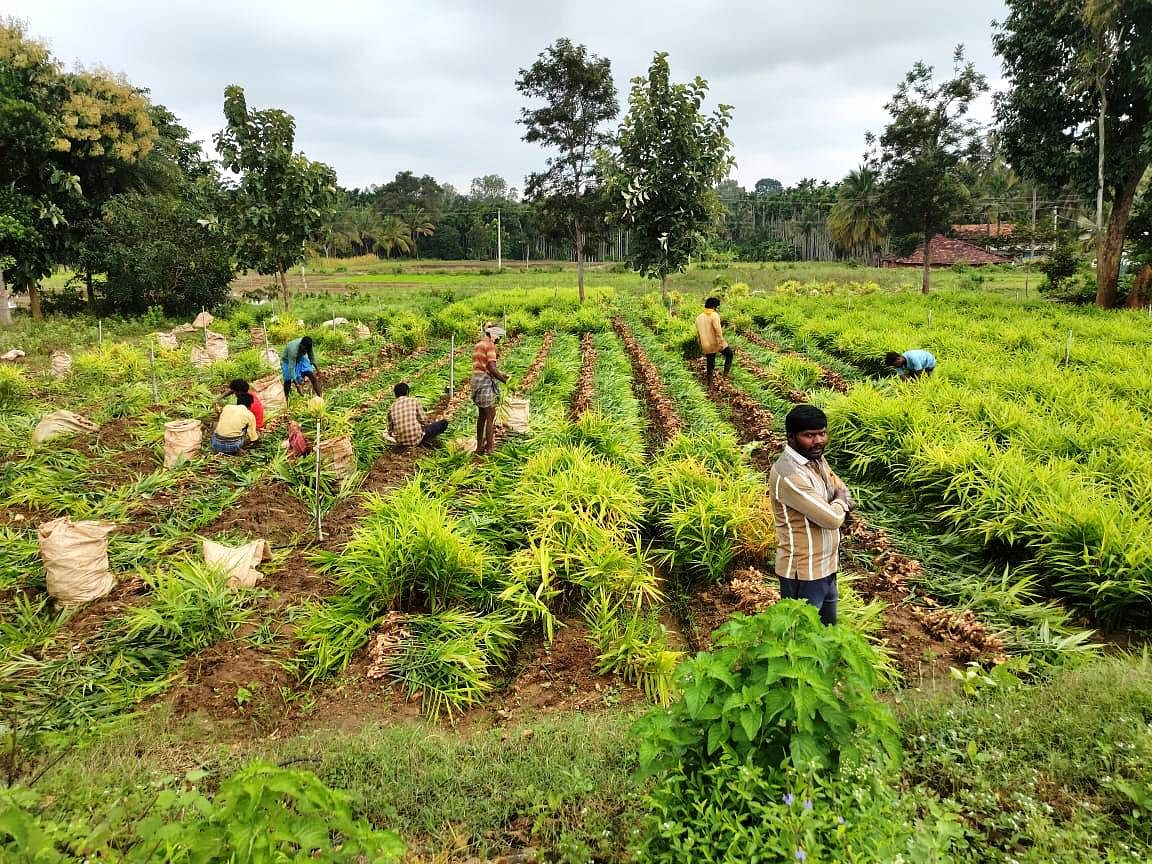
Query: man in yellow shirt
{"points": [[236, 426], [710, 335]]}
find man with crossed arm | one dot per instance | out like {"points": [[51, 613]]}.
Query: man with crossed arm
{"points": [[809, 504]]}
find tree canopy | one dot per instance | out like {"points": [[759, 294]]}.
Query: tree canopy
{"points": [[671, 157], [923, 150], [580, 97], [281, 198], [1054, 112]]}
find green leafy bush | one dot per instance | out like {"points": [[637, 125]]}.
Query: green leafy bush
{"points": [[734, 812], [13, 391], [409, 330], [778, 690], [260, 815]]}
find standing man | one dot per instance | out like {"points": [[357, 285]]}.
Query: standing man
{"points": [[297, 363], [485, 392], [710, 335], [809, 504], [407, 423], [912, 364]]}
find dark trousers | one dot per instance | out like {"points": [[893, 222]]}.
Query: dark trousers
{"points": [[711, 362], [821, 593], [432, 430]]}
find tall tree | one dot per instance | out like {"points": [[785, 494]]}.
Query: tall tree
{"points": [[580, 97], [281, 198], [923, 151], [856, 221], [419, 225], [490, 187], [671, 157], [1079, 110]]}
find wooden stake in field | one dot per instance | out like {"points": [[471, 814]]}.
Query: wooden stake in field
{"points": [[1068, 348], [929, 317], [319, 527], [452, 367], [152, 360]]}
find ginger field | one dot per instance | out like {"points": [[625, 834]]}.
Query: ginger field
{"points": [[445, 654]]}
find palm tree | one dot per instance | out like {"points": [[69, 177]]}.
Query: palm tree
{"points": [[416, 219], [393, 234], [361, 228], [856, 221]]}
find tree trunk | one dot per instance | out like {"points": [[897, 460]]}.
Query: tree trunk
{"points": [[5, 312], [283, 286], [1141, 293], [580, 260], [664, 287], [1108, 261], [34, 299], [91, 291], [925, 280]]}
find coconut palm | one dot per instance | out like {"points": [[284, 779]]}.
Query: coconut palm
{"points": [[393, 234], [416, 220], [856, 221]]}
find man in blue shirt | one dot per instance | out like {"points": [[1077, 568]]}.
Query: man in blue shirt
{"points": [[912, 364]]}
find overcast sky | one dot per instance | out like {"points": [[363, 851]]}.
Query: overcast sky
{"points": [[380, 87]]}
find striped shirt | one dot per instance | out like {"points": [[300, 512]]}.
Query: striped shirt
{"points": [[807, 519], [483, 354]]}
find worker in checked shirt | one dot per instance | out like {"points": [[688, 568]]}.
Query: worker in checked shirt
{"points": [[809, 504], [407, 423]]}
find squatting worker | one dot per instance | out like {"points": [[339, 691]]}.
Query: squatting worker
{"points": [[809, 504], [485, 392], [297, 363], [912, 364], [237, 386], [710, 335], [407, 423], [236, 426]]}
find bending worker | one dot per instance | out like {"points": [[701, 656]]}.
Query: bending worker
{"points": [[710, 335], [237, 386], [236, 426], [912, 364], [809, 504], [407, 423], [485, 391], [297, 363]]}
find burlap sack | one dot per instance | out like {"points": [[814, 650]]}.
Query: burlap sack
{"points": [[239, 563], [182, 440], [61, 423], [336, 455], [270, 392], [13, 355], [256, 336], [168, 341], [334, 322], [362, 331], [200, 357], [203, 320], [75, 556], [61, 363], [216, 344], [514, 413], [467, 444], [270, 358]]}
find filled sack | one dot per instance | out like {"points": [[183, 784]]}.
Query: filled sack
{"points": [[514, 413], [336, 456], [182, 439], [75, 556], [61, 363]]}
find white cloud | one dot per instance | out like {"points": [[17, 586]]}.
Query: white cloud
{"points": [[378, 88]]}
